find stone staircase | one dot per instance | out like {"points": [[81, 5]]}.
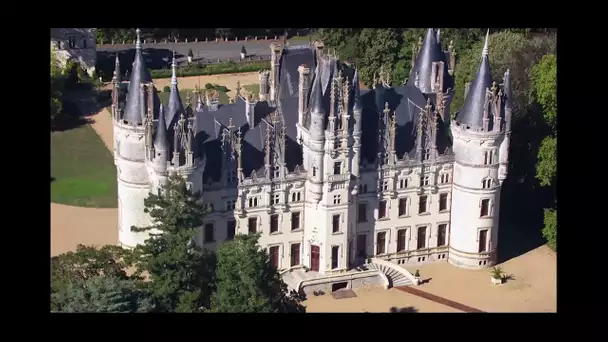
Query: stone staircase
{"points": [[292, 277], [396, 275]]}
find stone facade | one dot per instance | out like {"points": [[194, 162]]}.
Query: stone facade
{"points": [[77, 44]]}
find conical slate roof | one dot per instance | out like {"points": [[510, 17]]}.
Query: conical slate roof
{"points": [[175, 106], [139, 75], [160, 140], [473, 109], [430, 52]]}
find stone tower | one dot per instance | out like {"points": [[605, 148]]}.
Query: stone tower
{"points": [[480, 147], [129, 149]]}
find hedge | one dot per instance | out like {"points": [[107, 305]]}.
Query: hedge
{"points": [[213, 69]]}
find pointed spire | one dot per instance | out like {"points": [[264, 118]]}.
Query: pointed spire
{"points": [[160, 140], [430, 52], [473, 110], [173, 70], [438, 36], [138, 42], [484, 52], [316, 96], [117, 68], [507, 87], [139, 75]]}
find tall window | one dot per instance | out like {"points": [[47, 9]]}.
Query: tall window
{"points": [[84, 43], [337, 199], [208, 233], [337, 168], [253, 225], [403, 206], [441, 234], [443, 202], [295, 254], [335, 256], [385, 186], [362, 188], [274, 223], [230, 229], [486, 183], [424, 181], [295, 197], [445, 178], [483, 240], [421, 237], [295, 220], [335, 223], [362, 213], [273, 253], [422, 204], [253, 202], [276, 199], [381, 243], [382, 209], [401, 238], [402, 183], [485, 208]]}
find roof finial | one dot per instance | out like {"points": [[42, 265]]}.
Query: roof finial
{"points": [[484, 53], [138, 42], [174, 70]]}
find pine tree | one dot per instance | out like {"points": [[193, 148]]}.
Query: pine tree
{"points": [[181, 274], [247, 282]]}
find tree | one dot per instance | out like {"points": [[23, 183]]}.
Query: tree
{"points": [[247, 282], [56, 86], [76, 268], [544, 91], [379, 49], [102, 294], [181, 274]]}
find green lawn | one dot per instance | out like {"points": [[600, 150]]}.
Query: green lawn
{"points": [[254, 89], [164, 97], [82, 169]]}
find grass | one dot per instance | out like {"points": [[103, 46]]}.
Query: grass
{"points": [[183, 93], [82, 169], [254, 89]]}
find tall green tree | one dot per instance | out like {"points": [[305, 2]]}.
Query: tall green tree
{"points": [[247, 282], [379, 49], [544, 84], [74, 269], [100, 293], [56, 86], [181, 274]]}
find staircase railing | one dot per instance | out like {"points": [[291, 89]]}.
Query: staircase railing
{"points": [[397, 268]]}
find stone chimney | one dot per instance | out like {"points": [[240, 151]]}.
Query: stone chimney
{"points": [[303, 86], [264, 80], [275, 64], [250, 110], [319, 47]]}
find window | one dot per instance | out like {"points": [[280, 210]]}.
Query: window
{"points": [[380, 243], [277, 172], [337, 199], [487, 158], [230, 205], [385, 186], [486, 183], [336, 144], [441, 232], [362, 188], [483, 240], [422, 204], [274, 223], [443, 202], [402, 183], [335, 223], [208, 233], [252, 225], [72, 42], [295, 197], [382, 209], [58, 44], [230, 229], [445, 178], [208, 206], [231, 176], [335, 256], [427, 154], [273, 253], [424, 181], [295, 220], [421, 243], [84, 43], [401, 238], [337, 168], [362, 214], [276, 199], [485, 208], [253, 202], [295, 254], [314, 171], [403, 206]]}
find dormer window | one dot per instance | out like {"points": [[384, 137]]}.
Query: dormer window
{"points": [[231, 176]]}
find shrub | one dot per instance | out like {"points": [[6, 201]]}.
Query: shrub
{"points": [[213, 69], [167, 89], [209, 86], [220, 88]]}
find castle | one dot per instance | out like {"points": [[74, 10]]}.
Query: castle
{"points": [[330, 175]]}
